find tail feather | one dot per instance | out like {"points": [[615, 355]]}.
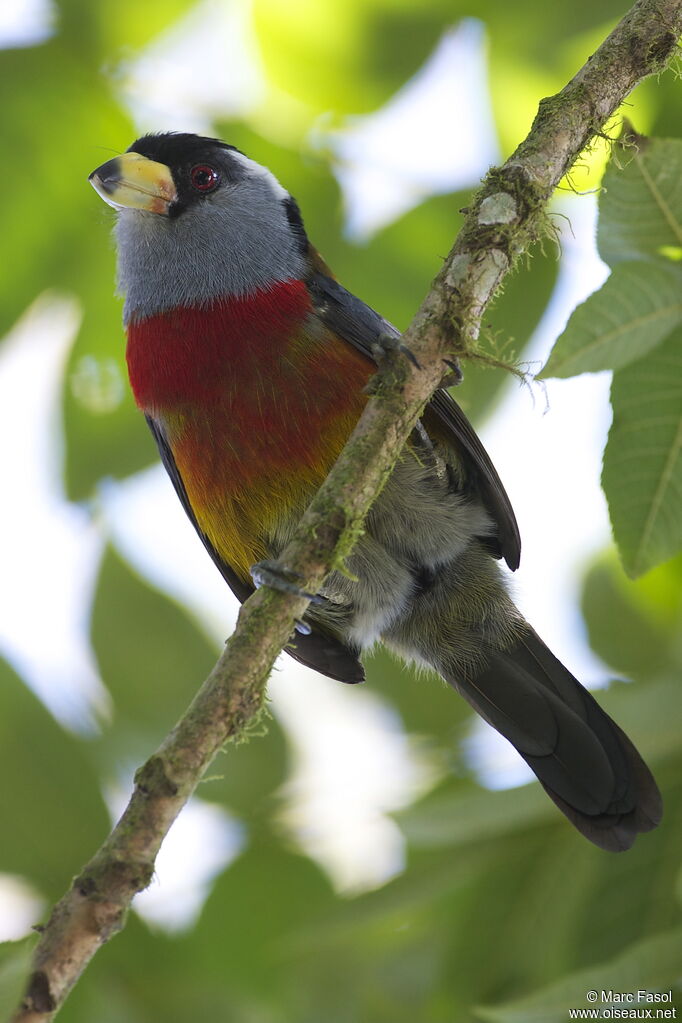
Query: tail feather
{"points": [[583, 760]]}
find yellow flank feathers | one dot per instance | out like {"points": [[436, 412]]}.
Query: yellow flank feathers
{"points": [[250, 470]]}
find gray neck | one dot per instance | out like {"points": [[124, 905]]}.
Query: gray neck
{"points": [[240, 244]]}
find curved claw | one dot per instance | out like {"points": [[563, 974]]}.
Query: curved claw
{"points": [[409, 354], [279, 577], [455, 376], [388, 344]]}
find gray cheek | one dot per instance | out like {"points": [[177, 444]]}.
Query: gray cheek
{"points": [[240, 244]]}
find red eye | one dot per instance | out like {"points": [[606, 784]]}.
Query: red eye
{"points": [[204, 178]]}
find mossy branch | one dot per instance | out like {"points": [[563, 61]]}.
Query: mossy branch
{"points": [[506, 216]]}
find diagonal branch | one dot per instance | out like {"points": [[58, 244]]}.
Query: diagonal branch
{"points": [[504, 218]]}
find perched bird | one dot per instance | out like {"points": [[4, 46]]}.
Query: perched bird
{"points": [[250, 363]]}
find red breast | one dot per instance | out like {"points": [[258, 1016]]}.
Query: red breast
{"points": [[257, 399]]}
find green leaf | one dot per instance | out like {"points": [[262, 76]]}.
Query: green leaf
{"points": [[54, 229], [256, 903], [346, 60], [112, 30], [50, 804], [59, 235], [635, 310], [148, 976], [660, 594], [640, 208], [427, 707], [15, 966], [649, 714], [474, 815], [152, 656], [106, 434], [642, 475], [652, 964], [622, 630]]}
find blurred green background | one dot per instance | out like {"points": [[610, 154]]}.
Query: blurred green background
{"points": [[486, 904]]}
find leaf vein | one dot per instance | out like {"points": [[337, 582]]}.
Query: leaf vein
{"points": [[660, 493], [662, 204]]}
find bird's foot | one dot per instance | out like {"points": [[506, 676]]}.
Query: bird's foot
{"points": [[279, 577], [388, 344], [454, 375]]}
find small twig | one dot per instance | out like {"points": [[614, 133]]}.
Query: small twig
{"points": [[506, 216]]}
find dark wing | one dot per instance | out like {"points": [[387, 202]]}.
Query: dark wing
{"points": [[477, 461], [318, 650], [355, 322]]}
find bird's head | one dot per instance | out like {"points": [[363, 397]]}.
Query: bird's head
{"points": [[197, 220]]}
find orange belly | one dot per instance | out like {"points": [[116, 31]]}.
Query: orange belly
{"points": [[256, 408]]}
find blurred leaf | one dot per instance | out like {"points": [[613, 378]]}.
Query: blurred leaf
{"points": [[622, 630], [353, 58], [262, 898], [664, 91], [642, 475], [49, 215], [15, 967], [392, 942], [652, 964], [640, 207], [532, 921], [151, 655], [110, 30], [149, 976], [474, 815], [660, 594], [505, 914], [427, 705], [518, 925], [348, 60], [58, 233], [106, 434], [153, 658], [651, 715], [635, 310], [246, 776], [50, 799]]}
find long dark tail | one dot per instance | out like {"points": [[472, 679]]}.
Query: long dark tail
{"points": [[586, 764]]}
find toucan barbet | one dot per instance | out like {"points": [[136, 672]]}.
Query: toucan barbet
{"points": [[251, 363]]}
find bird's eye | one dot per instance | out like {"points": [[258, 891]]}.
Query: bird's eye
{"points": [[204, 178]]}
